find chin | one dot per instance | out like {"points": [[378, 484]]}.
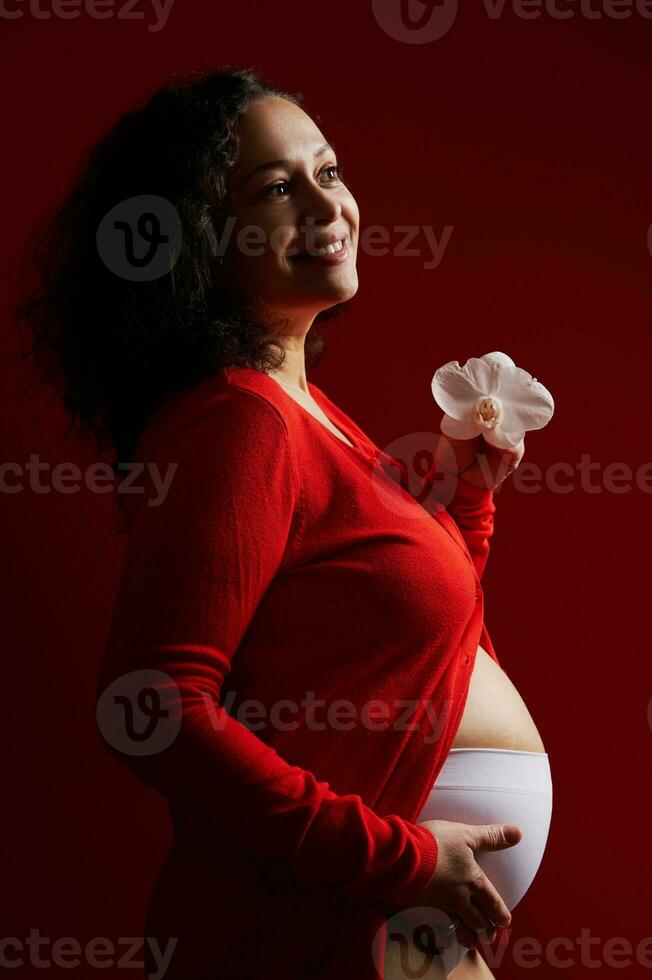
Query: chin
{"points": [[317, 302], [341, 293]]}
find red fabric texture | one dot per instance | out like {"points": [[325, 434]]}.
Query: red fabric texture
{"points": [[316, 627]]}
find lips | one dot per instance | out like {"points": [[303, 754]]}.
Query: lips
{"points": [[324, 243]]}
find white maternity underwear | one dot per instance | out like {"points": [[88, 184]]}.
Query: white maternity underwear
{"points": [[477, 786]]}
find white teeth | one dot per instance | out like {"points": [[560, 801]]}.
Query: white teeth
{"points": [[331, 249]]}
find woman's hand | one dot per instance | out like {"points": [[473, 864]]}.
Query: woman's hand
{"points": [[480, 463], [459, 886]]}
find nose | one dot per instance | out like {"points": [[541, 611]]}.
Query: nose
{"points": [[321, 206]]}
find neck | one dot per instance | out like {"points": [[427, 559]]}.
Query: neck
{"points": [[292, 373]]}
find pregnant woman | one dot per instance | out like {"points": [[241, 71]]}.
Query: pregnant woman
{"points": [[297, 659]]}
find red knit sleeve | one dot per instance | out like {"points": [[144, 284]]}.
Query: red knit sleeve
{"points": [[196, 567], [473, 509]]}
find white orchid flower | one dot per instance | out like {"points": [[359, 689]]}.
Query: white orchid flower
{"points": [[492, 397]]}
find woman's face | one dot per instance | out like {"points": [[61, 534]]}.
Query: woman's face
{"points": [[287, 195]]}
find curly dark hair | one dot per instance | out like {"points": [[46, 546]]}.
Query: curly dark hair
{"points": [[113, 347]]}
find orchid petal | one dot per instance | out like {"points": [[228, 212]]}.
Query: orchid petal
{"points": [[493, 397], [498, 357], [485, 374], [503, 440], [499, 363], [454, 390], [528, 404]]}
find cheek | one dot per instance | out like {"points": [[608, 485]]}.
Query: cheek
{"points": [[261, 274], [262, 243]]}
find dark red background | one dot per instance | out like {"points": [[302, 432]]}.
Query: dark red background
{"points": [[531, 138]]}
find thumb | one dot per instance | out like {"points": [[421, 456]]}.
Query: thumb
{"points": [[495, 836]]}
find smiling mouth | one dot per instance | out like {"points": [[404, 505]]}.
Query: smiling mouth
{"points": [[334, 253]]}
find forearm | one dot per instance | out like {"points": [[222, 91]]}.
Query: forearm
{"points": [[471, 507], [216, 768], [473, 510]]}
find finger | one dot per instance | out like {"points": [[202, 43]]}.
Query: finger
{"points": [[509, 464], [488, 898], [487, 929], [512, 455], [474, 917], [474, 923], [493, 836]]}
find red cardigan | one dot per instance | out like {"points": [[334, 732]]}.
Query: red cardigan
{"points": [[314, 625]]}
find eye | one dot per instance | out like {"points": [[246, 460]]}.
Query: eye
{"points": [[335, 169], [273, 187]]}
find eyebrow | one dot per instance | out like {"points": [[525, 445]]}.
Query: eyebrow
{"points": [[274, 164]]}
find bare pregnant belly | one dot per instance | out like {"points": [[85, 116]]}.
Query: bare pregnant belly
{"points": [[495, 715]]}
